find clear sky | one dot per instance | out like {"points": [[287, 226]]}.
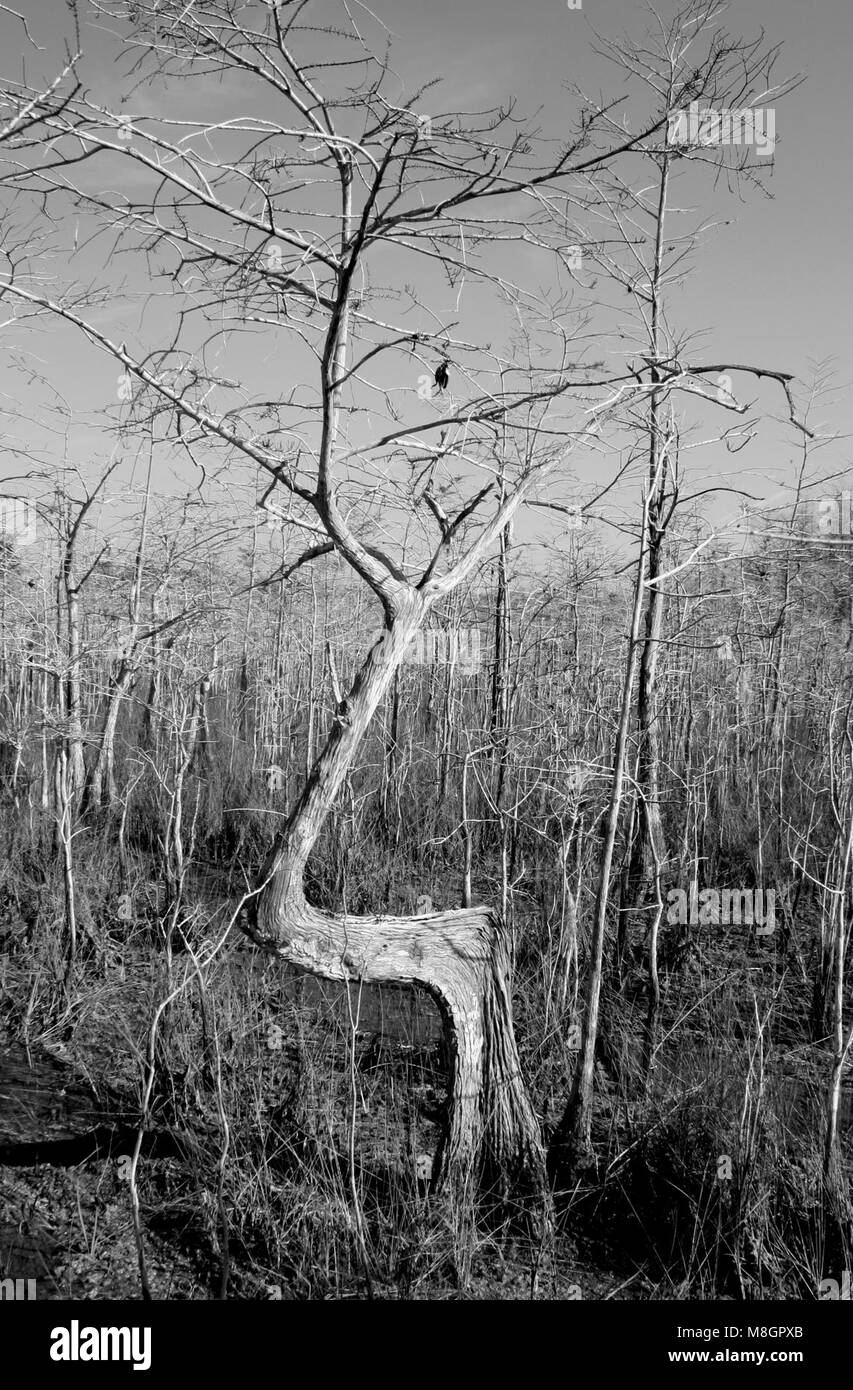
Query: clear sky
{"points": [[771, 287]]}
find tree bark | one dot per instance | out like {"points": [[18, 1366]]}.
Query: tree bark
{"points": [[460, 957], [647, 847], [103, 767]]}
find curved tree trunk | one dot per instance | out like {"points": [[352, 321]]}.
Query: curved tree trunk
{"points": [[460, 957]]}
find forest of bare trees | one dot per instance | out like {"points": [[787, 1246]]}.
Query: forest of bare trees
{"points": [[426, 757]]}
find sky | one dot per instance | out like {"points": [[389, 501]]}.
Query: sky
{"points": [[774, 286], [771, 285], [780, 280]]}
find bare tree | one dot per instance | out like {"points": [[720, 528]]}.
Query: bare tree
{"points": [[277, 230], [687, 60]]}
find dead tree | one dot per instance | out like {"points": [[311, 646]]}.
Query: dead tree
{"points": [[387, 181]]}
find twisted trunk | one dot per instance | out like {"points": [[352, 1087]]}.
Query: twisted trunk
{"points": [[460, 957]]}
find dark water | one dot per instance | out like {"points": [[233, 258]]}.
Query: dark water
{"points": [[401, 1015]]}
